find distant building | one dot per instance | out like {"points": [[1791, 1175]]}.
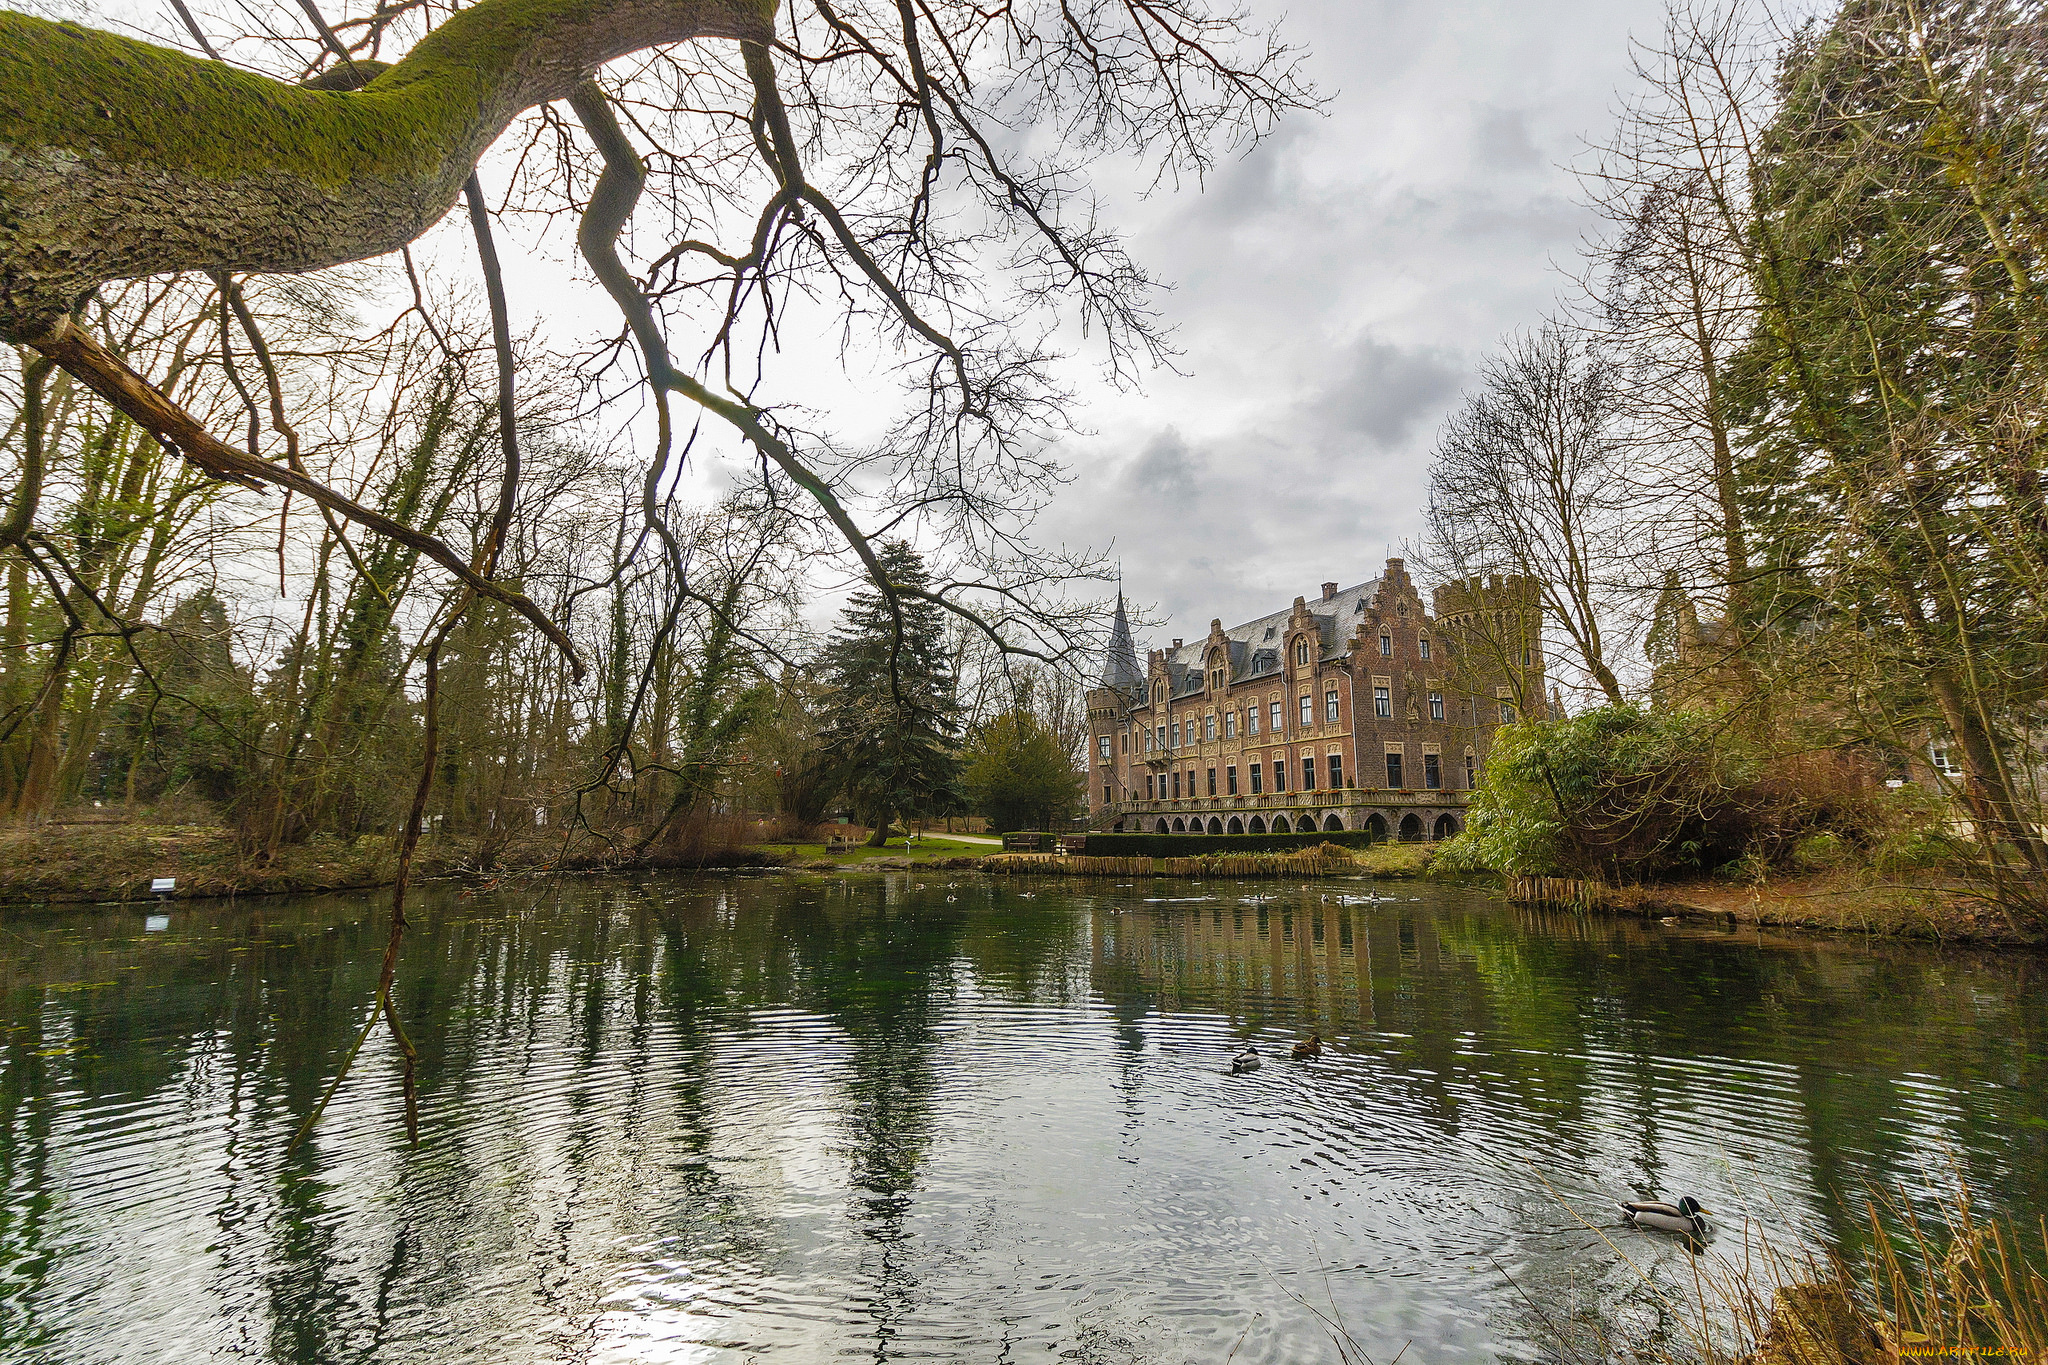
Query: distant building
{"points": [[1358, 710]]}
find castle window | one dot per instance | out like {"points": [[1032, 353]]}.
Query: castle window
{"points": [[1176, 784], [1308, 772], [1436, 706], [1103, 748], [1525, 656], [1401, 607], [1251, 719], [1943, 760], [1269, 632], [1256, 788], [1230, 725], [1358, 607], [1212, 781], [1105, 794], [1279, 773], [1216, 680], [1162, 738], [1123, 741], [1393, 770], [1301, 652], [1425, 646], [1432, 772], [1273, 718], [1386, 645], [1209, 726], [1308, 710], [1230, 778], [1148, 788], [1330, 706], [1507, 713], [1176, 734], [1336, 770], [1471, 773], [1382, 700]]}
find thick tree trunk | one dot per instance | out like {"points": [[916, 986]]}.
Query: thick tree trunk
{"points": [[120, 159]]}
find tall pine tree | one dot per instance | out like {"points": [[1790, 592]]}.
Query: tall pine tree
{"points": [[891, 732]]}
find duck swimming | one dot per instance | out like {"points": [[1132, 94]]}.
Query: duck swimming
{"points": [[1311, 1046], [1247, 1060], [1684, 1216]]}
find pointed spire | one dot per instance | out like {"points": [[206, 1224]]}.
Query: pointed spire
{"points": [[1120, 665]]}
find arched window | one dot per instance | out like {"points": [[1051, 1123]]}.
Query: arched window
{"points": [[1386, 645], [1425, 646], [1301, 653]]}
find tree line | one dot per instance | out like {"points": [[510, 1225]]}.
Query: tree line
{"points": [[1778, 456]]}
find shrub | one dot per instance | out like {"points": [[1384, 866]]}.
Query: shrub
{"points": [[1622, 794]]}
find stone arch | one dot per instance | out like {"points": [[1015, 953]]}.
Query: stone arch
{"points": [[1279, 825], [1331, 821], [1180, 826], [1236, 826], [1215, 825], [1376, 825], [1446, 826], [1411, 827], [1258, 825], [1162, 825]]}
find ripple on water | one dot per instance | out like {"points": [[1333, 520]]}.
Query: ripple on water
{"points": [[774, 1121]]}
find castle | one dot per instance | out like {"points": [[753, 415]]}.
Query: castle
{"points": [[1356, 711]]}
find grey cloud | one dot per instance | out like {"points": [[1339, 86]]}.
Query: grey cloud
{"points": [[1164, 469], [1333, 289], [1502, 142], [1386, 391]]}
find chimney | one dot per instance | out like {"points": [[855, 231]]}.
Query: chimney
{"points": [[1176, 642], [1329, 591]]}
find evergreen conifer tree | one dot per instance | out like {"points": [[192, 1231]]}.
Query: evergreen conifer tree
{"points": [[891, 730]]}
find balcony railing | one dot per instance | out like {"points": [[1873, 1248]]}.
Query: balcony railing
{"points": [[1337, 797]]}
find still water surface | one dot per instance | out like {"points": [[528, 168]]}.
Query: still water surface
{"points": [[932, 1117]]}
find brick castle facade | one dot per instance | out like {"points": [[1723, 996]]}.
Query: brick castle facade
{"points": [[1359, 710]]}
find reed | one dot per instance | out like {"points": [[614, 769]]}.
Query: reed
{"points": [[1958, 1288]]}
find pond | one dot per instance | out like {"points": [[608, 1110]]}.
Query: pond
{"points": [[931, 1116]]}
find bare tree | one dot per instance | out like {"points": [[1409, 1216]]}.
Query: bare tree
{"points": [[1527, 480]]}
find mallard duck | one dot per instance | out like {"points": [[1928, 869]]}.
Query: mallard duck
{"points": [[1684, 1216], [1247, 1060], [1311, 1046]]}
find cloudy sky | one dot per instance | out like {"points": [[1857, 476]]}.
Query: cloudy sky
{"points": [[1333, 293]]}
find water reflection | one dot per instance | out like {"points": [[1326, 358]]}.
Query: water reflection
{"points": [[793, 1119]]}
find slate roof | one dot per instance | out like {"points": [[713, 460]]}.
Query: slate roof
{"points": [[1120, 669], [1254, 655]]}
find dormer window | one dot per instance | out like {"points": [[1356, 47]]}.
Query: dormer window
{"points": [[1358, 607]]}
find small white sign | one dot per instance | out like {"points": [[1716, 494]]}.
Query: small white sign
{"points": [[162, 886], [156, 924]]}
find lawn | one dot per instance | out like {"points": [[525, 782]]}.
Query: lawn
{"points": [[926, 849]]}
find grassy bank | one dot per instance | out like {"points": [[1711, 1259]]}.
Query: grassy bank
{"points": [[1845, 902], [110, 861]]}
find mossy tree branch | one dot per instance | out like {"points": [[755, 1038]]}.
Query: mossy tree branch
{"points": [[119, 158]]}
